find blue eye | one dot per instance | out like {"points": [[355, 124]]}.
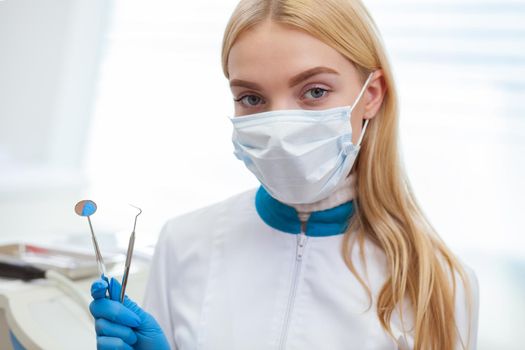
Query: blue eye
{"points": [[315, 93], [249, 100]]}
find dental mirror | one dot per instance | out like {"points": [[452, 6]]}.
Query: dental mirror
{"points": [[85, 208]]}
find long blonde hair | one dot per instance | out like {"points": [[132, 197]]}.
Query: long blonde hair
{"points": [[386, 211]]}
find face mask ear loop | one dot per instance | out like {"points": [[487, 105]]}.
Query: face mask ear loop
{"points": [[362, 133], [363, 89]]}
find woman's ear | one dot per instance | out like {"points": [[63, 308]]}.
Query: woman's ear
{"points": [[374, 94]]}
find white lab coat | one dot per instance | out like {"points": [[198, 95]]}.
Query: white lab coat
{"points": [[221, 278]]}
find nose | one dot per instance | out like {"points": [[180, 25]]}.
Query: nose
{"points": [[283, 103]]}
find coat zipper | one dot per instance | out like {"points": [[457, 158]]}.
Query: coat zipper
{"points": [[299, 251]]}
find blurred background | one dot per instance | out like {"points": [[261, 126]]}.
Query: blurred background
{"points": [[125, 102]]}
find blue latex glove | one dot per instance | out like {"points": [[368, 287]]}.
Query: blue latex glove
{"points": [[123, 326]]}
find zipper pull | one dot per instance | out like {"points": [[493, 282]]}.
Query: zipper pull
{"points": [[301, 243]]}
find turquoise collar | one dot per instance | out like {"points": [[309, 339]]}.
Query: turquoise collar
{"points": [[283, 217]]}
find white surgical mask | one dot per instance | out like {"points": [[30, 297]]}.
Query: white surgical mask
{"points": [[300, 156]]}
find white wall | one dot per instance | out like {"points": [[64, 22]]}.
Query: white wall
{"points": [[50, 53]]}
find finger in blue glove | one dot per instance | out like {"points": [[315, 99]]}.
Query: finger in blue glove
{"points": [[107, 328], [114, 311], [109, 343], [99, 288]]}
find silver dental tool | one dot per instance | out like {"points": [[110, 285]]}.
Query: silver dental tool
{"points": [[129, 254], [87, 208]]}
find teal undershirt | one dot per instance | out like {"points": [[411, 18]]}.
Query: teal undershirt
{"points": [[329, 222]]}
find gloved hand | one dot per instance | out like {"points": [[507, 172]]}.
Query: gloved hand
{"points": [[123, 326]]}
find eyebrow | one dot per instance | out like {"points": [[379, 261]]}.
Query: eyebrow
{"points": [[310, 73], [292, 82]]}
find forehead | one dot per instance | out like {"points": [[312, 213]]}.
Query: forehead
{"points": [[270, 49]]}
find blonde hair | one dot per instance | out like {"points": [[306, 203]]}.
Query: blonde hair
{"points": [[386, 210]]}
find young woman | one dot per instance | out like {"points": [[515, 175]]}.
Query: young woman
{"points": [[332, 250]]}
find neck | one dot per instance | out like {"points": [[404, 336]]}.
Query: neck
{"points": [[326, 217], [344, 193]]}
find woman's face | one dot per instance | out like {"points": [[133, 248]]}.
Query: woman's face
{"points": [[274, 66]]}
